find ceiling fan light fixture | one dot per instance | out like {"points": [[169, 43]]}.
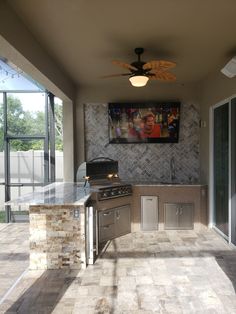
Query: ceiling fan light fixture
{"points": [[138, 80]]}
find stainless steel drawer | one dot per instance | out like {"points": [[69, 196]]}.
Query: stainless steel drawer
{"points": [[106, 232], [106, 217]]}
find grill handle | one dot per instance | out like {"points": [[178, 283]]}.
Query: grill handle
{"points": [[101, 158]]}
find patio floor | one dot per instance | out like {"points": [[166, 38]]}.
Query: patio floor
{"points": [[144, 272], [14, 254]]}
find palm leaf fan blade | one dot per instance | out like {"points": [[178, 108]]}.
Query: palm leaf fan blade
{"points": [[163, 76], [159, 65], [124, 65]]}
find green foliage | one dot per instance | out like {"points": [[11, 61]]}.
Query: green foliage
{"points": [[2, 216], [1, 137], [21, 122], [58, 127]]}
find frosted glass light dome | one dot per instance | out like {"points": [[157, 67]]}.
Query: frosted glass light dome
{"points": [[138, 80]]}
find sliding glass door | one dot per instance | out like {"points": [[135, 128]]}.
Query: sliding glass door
{"points": [[233, 173], [221, 168]]}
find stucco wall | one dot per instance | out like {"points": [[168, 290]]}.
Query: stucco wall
{"points": [[19, 46]]}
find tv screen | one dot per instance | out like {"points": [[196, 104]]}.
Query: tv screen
{"points": [[144, 122]]}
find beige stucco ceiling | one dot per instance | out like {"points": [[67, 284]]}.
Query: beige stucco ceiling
{"points": [[84, 36]]}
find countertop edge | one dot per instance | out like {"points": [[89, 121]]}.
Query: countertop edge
{"points": [[52, 195]]}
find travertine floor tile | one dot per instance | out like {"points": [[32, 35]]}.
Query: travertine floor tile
{"points": [[14, 254], [141, 273]]}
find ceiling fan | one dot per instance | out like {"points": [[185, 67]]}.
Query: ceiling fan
{"points": [[141, 72]]}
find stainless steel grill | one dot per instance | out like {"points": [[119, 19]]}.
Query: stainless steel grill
{"points": [[102, 176], [108, 214]]}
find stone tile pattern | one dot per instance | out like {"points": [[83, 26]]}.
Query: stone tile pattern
{"points": [[14, 253], [179, 272], [56, 237], [146, 161]]}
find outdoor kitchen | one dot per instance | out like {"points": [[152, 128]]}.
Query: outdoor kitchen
{"points": [[71, 223]]}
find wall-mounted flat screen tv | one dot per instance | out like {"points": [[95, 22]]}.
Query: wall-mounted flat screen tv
{"points": [[144, 122]]}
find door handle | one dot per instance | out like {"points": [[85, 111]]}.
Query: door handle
{"points": [[96, 222]]}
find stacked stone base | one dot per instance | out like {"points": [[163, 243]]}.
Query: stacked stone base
{"points": [[57, 239]]}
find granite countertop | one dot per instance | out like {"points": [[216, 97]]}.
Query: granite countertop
{"points": [[71, 193], [58, 193]]}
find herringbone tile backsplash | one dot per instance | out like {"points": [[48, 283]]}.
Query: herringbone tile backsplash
{"points": [[146, 162]]}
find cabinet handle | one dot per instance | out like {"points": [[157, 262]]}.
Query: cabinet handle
{"points": [[117, 215], [149, 199], [106, 214], [181, 211], [106, 227], [177, 211]]}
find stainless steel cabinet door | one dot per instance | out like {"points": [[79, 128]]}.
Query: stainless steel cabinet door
{"points": [[171, 212], [185, 216], [178, 216], [122, 218], [149, 213]]}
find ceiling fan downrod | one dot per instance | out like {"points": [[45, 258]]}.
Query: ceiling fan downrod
{"points": [[138, 52]]}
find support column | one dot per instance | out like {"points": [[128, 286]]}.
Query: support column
{"points": [[68, 141]]}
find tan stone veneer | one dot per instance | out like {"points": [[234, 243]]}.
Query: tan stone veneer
{"points": [[57, 239]]}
